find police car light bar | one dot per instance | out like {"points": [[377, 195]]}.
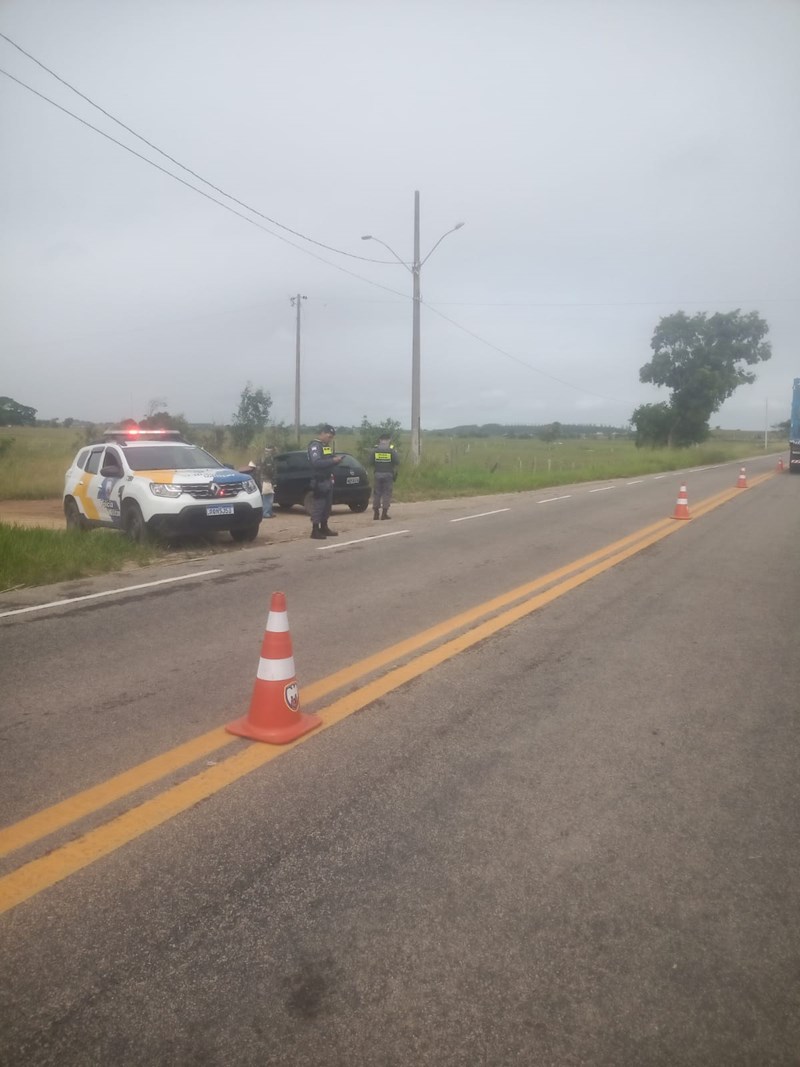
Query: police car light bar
{"points": [[136, 433]]}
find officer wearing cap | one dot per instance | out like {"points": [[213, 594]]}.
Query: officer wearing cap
{"points": [[323, 461]]}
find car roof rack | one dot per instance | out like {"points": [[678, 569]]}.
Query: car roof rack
{"points": [[138, 433]]}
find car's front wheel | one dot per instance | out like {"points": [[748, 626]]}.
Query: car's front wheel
{"points": [[362, 506], [73, 516], [133, 524], [245, 533]]}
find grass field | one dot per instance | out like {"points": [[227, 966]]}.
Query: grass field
{"points": [[33, 461], [39, 557]]}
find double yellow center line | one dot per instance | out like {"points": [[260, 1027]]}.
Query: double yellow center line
{"points": [[478, 623]]}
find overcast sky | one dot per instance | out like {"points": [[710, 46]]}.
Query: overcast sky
{"points": [[614, 161]]}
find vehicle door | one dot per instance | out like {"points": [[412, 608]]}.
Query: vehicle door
{"points": [[106, 484], [81, 490]]}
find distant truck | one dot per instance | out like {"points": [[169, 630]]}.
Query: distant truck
{"points": [[794, 430]]}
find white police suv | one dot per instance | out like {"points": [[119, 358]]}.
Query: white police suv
{"points": [[154, 482]]}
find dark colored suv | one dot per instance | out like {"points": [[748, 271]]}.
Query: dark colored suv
{"points": [[292, 481]]}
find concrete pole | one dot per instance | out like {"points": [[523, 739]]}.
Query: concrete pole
{"points": [[415, 344], [296, 301]]}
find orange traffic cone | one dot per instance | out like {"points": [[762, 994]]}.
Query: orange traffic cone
{"points": [[741, 481], [682, 505], [780, 463], [274, 714]]}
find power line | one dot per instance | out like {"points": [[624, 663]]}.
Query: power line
{"points": [[200, 192], [611, 303], [216, 188], [305, 251], [522, 363]]}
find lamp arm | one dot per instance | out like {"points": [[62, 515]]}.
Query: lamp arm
{"points": [[446, 234]]}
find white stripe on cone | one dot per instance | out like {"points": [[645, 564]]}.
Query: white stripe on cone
{"points": [[275, 670], [278, 622]]}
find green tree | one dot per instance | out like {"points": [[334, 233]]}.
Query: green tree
{"points": [[702, 359], [369, 432], [162, 420], [14, 414], [653, 423], [551, 432], [252, 415]]}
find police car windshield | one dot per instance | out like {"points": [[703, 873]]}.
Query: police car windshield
{"points": [[169, 457]]}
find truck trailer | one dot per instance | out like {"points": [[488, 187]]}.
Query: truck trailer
{"points": [[794, 430]]}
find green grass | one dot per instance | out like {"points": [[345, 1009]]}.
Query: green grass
{"points": [[33, 461], [39, 557], [457, 467]]}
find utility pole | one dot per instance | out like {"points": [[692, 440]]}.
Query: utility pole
{"points": [[414, 267], [295, 302], [415, 370]]}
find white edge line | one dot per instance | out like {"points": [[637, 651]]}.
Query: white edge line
{"points": [[550, 499], [481, 515], [107, 592], [360, 540], [603, 489], [657, 476], [637, 482]]}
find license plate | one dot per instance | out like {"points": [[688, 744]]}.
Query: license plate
{"points": [[219, 509], [353, 481]]}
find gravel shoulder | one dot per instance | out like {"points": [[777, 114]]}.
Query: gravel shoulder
{"points": [[289, 525]]}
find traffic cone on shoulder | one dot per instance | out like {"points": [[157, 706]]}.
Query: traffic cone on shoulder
{"points": [[274, 714], [741, 481], [682, 505], [780, 463]]}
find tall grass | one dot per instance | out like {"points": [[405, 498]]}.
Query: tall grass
{"points": [[33, 461], [501, 465], [39, 557]]}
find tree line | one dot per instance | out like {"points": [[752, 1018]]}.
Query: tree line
{"points": [[701, 359]]}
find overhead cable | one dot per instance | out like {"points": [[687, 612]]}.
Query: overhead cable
{"points": [[194, 174]]}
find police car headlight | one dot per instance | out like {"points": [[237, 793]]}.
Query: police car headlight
{"points": [[249, 486], [165, 489]]}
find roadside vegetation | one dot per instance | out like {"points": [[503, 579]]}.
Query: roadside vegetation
{"points": [[701, 359], [33, 461], [31, 557]]}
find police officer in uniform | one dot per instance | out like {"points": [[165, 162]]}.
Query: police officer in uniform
{"points": [[322, 459], [384, 464]]}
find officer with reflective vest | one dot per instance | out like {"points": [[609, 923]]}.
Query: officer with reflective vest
{"points": [[384, 464], [323, 461]]}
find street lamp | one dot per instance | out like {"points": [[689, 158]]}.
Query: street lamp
{"points": [[415, 269]]}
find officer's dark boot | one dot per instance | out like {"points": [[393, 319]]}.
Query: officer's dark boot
{"points": [[327, 531], [316, 532], [376, 514], [385, 514]]}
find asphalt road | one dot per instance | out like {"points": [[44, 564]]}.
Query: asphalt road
{"points": [[569, 837]]}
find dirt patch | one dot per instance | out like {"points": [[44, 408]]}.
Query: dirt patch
{"points": [[43, 513], [289, 525], [284, 526]]}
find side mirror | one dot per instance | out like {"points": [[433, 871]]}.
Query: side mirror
{"points": [[110, 471]]}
